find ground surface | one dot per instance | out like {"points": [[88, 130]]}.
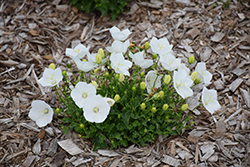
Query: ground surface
{"points": [[34, 34]]}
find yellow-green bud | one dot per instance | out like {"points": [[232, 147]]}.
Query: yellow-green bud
{"points": [[143, 106], [153, 109], [98, 58], [191, 59], [133, 88], [121, 77], [100, 52], [64, 73], [52, 66], [81, 126], [145, 130], [154, 56], [146, 46], [167, 79], [57, 110], [142, 74], [117, 76], [143, 85], [106, 74], [95, 84], [194, 75], [197, 81], [184, 107], [95, 70], [118, 116], [165, 107], [161, 94], [117, 97], [156, 96]]}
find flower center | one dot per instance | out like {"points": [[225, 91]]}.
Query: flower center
{"points": [[77, 51], [84, 95], [161, 46], [96, 109], [209, 100], [45, 111], [53, 80], [170, 62], [180, 84]]}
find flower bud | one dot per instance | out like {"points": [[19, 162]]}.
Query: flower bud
{"points": [[142, 74], [145, 130], [184, 107], [52, 66], [95, 84], [143, 85], [197, 81], [121, 78], [117, 97], [57, 110], [119, 116], [167, 79], [117, 76], [95, 70], [153, 110], [81, 125], [98, 58], [64, 73], [161, 94], [194, 75], [133, 88], [146, 46], [165, 107], [191, 59], [143, 106], [106, 74], [100, 52], [154, 56]]}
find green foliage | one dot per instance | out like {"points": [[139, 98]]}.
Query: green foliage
{"points": [[127, 121], [112, 7]]}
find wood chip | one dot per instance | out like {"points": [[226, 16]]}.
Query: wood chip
{"points": [[28, 161], [81, 161], [132, 149], [109, 153], [193, 33], [217, 37], [37, 147], [235, 84], [69, 146], [245, 96], [205, 54], [170, 161], [52, 147]]}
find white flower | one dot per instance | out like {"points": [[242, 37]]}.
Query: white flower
{"points": [[169, 62], [41, 113], [183, 66], [152, 80], [160, 46], [51, 77], [119, 35], [82, 92], [203, 74], [96, 109], [182, 83], [110, 101], [209, 100], [84, 65], [118, 46], [119, 64], [80, 49], [139, 60]]}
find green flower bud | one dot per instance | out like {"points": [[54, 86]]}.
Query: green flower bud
{"points": [[154, 56], [101, 53], [184, 107], [57, 110], [143, 106], [106, 74], [117, 97], [161, 94], [197, 81], [194, 75], [52, 66], [167, 79], [146, 46], [119, 116], [117, 76], [133, 88], [81, 125], [95, 70], [64, 73], [191, 59], [165, 107], [153, 110], [98, 58], [121, 78], [142, 74], [143, 85], [145, 130], [95, 84]]}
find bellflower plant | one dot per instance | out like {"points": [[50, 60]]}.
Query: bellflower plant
{"points": [[125, 94]]}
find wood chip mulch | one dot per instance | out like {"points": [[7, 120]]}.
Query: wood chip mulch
{"points": [[35, 33]]}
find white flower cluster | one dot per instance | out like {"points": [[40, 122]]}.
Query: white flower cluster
{"points": [[96, 108]]}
